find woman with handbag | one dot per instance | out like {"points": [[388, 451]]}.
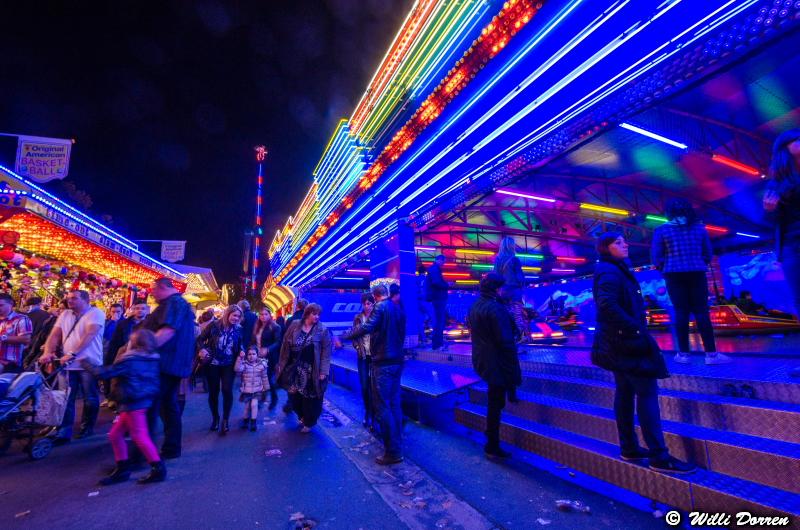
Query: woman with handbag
{"points": [[219, 345], [304, 365], [623, 346]]}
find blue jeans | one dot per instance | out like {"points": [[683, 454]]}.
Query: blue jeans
{"points": [[366, 390], [439, 316], [91, 401], [644, 392], [388, 412]]}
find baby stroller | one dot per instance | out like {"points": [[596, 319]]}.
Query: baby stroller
{"points": [[28, 405]]}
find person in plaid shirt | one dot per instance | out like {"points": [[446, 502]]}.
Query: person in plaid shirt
{"points": [[682, 251], [15, 334]]}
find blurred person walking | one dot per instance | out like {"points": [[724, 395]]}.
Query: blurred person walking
{"points": [[304, 365], [681, 250], [623, 346], [135, 376]]}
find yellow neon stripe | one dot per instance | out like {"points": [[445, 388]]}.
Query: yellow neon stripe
{"points": [[604, 209]]}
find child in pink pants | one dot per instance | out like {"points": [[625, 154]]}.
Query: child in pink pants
{"points": [[135, 377]]}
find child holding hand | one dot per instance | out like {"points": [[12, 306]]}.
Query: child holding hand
{"points": [[255, 384]]}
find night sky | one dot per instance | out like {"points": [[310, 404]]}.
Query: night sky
{"points": [[167, 99]]}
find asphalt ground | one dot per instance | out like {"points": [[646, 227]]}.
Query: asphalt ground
{"points": [[326, 476]]}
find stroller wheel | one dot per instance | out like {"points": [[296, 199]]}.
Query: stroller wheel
{"points": [[41, 448], [5, 442]]}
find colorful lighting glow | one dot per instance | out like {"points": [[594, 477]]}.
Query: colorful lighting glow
{"points": [[358, 271], [514, 193], [475, 252], [456, 274], [656, 218], [468, 282], [346, 278], [654, 136], [718, 229], [563, 271], [735, 164], [427, 249], [569, 259], [531, 256], [531, 269], [745, 234], [482, 266], [604, 209]]}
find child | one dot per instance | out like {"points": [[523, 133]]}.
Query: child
{"points": [[255, 383], [134, 384]]}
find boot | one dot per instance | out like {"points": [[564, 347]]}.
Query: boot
{"points": [[121, 473], [244, 423], [224, 427], [253, 426], [158, 473]]}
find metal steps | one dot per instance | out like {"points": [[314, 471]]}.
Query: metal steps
{"points": [[703, 490], [756, 459]]}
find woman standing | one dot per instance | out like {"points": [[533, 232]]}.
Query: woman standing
{"points": [[267, 336], [507, 264], [361, 344], [681, 250], [623, 346], [304, 365], [219, 345]]}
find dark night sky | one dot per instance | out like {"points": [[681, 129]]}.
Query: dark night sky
{"points": [[167, 99]]}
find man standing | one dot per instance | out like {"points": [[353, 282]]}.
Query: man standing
{"points": [[173, 323], [424, 306], [78, 333], [436, 293], [15, 334], [248, 322], [37, 315], [387, 332], [124, 328], [494, 355]]}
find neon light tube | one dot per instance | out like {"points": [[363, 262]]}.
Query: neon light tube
{"points": [[531, 256], [532, 269], [653, 135], [744, 234], [735, 164], [531, 277], [475, 252], [604, 209], [346, 278], [656, 218], [570, 259], [482, 266], [714, 228], [468, 282], [456, 274], [525, 195], [563, 271], [427, 249], [358, 271]]}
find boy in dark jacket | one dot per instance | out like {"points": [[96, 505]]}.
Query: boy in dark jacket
{"points": [[135, 377], [494, 355]]}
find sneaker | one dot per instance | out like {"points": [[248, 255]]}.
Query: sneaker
{"points": [[717, 358], [671, 465], [495, 452], [388, 460], [683, 357], [635, 456]]}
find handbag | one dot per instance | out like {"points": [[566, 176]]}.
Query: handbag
{"points": [[644, 355], [285, 378]]}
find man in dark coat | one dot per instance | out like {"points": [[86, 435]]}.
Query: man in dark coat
{"points": [[494, 355], [436, 293], [173, 324], [386, 327], [248, 322]]}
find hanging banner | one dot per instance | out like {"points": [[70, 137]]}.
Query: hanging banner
{"points": [[173, 251], [42, 159]]}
